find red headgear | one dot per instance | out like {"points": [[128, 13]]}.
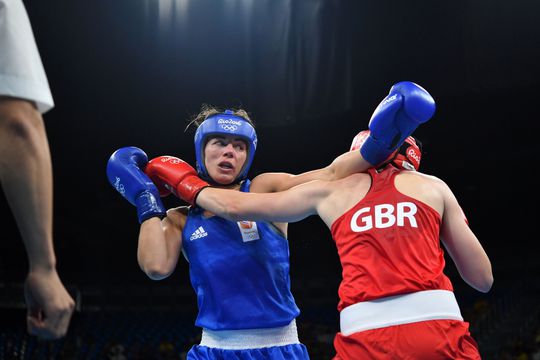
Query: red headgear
{"points": [[407, 156]]}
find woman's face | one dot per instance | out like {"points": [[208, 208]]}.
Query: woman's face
{"points": [[224, 158]]}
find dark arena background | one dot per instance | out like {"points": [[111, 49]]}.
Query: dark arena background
{"points": [[310, 72]]}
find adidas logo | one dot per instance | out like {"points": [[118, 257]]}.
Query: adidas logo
{"points": [[197, 234]]}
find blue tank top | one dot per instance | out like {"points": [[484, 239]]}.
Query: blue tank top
{"points": [[239, 271]]}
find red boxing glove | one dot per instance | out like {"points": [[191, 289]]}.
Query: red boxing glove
{"points": [[177, 176]]}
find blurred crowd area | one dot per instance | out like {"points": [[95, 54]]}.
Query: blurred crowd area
{"points": [[142, 323]]}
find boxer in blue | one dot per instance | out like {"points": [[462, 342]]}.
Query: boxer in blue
{"points": [[240, 270]]}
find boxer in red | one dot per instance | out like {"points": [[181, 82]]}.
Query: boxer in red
{"points": [[388, 225]]}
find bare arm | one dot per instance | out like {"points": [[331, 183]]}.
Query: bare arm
{"points": [[160, 243], [26, 177], [292, 205], [463, 246], [343, 166]]}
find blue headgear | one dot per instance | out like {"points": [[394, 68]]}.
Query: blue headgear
{"points": [[225, 124]]}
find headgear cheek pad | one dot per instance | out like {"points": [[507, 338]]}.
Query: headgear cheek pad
{"points": [[407, 156], [225, 123]]}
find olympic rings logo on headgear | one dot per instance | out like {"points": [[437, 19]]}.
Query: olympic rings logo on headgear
{"points": [[230, 128]]}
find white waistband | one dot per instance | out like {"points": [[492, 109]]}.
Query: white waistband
{"points": [[400, 309], [250, 338]]}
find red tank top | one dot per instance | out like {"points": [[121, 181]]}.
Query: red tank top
{"points": [[388, 244]]}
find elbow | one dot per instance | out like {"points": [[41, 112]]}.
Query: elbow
{"points": [[156, 276], [155, 271], [487, 278], [484, 283], [487, 283], [479, 279]]}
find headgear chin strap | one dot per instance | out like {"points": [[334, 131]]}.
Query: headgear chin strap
{"points": [[225, 123], [407, 156]]}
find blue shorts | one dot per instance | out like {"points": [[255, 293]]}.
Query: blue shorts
{"points": [[285, 352]]}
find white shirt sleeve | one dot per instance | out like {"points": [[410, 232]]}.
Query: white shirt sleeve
{"points": [[21, 72]]}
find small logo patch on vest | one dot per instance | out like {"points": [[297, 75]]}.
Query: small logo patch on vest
{"points": [[249, 230]]}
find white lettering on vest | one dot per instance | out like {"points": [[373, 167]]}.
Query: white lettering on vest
{"points": [[384, 216]]}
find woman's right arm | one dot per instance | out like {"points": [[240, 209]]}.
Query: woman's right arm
{"points": [[160, 243], [292, 205]]}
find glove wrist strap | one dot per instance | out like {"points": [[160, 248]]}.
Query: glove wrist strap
{"points": [[149, 205]]}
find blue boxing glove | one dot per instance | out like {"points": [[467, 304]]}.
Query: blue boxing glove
{"points": [[406, 107], [125, 171]]}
